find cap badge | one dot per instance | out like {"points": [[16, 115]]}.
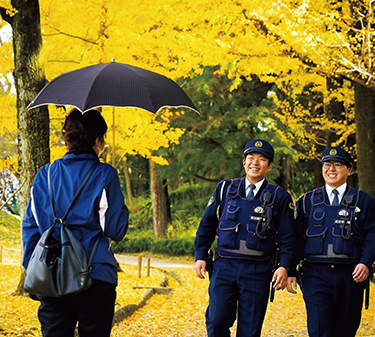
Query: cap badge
{"points": [[333, 152], [258, 144]]}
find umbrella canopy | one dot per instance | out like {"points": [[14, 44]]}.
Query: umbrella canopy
{"points": [[115, 85]]}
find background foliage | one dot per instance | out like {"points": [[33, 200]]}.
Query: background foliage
{"points": [[269, 69]]}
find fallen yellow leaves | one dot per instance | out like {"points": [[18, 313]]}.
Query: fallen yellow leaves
{"points": [[179, 314], [128, 279], [182, 314], [18, 314]]}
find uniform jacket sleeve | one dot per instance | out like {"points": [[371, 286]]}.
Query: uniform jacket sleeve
{"points": [[367, 206], [207, 229], [300, 230], [284, 221]]}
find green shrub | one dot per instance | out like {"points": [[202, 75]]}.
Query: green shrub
{"points": [[173, 246], [141, 214], [141, 242]]}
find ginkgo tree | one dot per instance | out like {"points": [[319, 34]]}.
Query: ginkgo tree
{"points": [[289, 43], [292, 44], [338, 44], [143, 134]]}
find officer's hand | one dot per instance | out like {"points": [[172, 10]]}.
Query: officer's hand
{"points": [[291, 285], [360, 272], [200, 268], [280, 278]]}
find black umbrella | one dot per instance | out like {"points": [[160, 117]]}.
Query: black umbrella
{"points": [[113, 84]]}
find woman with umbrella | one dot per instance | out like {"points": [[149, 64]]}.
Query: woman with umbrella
{"points": [[98, 212]]}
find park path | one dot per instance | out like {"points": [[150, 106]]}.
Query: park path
{"points": [[182, 313], [155, 261]]}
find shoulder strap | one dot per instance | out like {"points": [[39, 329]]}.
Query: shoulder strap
{"points": [[268, 195], [351, 198], [317, 196], [50, 189]]}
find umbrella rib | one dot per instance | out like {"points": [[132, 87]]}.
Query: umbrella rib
{"points": [[177, 106]]}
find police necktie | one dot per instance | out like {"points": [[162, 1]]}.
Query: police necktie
{"points": [[250, 194], [335, 201]]}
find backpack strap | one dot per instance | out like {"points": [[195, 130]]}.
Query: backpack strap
{"points": [[62, 220]]}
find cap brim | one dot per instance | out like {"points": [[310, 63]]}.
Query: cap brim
{"points": [[257, 149], [337, 158]]}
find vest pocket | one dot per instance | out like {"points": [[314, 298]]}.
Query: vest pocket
{"points": [[319, 215], [315, 240], [227, 235], [232, 213], [341, 245], [253, 241]]}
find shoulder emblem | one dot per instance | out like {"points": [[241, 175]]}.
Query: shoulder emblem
{"points": [[211, 201]]}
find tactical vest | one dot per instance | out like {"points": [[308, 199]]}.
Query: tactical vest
{"points": [[245, 228], [332, 235]]}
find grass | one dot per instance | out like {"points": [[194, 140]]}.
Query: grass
{"points": [[10, 237]]}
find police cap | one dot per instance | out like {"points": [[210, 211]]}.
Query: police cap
{"points": [[261, 146], [337, 154]]}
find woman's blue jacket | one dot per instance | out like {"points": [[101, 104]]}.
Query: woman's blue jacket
{"points": [[99, 210]]}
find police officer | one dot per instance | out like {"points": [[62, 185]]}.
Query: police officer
{"points": [[250, 217], [336, 226]]}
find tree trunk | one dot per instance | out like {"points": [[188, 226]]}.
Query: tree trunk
{"points": [[282, 179], [29, 79], [128, 181], [365, 135], [160, 204], [318, 178]]}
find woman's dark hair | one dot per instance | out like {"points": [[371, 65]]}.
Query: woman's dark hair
{"points": [[81, 130]]}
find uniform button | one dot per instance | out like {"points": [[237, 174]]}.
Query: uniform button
{"points": [[332, 266]]}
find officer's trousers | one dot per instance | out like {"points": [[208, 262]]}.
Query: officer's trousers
{"points": [[238, 287], [92, 308], [333, 300]]}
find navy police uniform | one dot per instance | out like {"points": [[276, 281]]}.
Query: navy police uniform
{"points": [[334, 240], [247, 233]]}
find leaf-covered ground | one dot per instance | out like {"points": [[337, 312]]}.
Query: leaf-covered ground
{"points": [[179, 314], [183, 314], [18, 314]]}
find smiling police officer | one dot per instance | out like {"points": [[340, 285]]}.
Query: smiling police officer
{"points": [[336, 229], [250, 217]]}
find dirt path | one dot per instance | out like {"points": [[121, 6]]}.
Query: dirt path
{"points": [[154, 261]]}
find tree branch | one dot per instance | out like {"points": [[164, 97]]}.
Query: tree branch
{"points": [[208, 179], [5, 16], [356, 72], [59, 32]]}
